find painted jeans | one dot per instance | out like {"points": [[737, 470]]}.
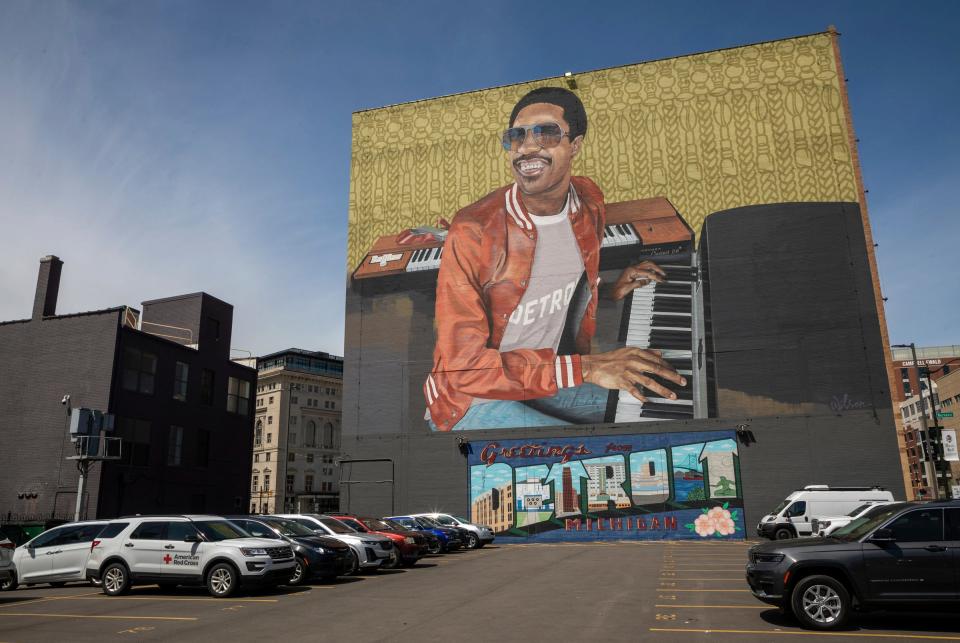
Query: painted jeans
{"points": [[584, 404]]}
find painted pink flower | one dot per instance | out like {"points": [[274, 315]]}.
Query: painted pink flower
{"points": [[704, 525], [726, 526]]}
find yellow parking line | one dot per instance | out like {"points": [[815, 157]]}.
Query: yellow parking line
{"points": [[175, 598], [802, 633], [673, 589], [121, 618], [48, 598], [723, 607]]}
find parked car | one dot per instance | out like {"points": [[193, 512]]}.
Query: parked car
{"points": [[7, 574], [794, 516], [186, 550], [410, 545], [319, 557], [477, 535], [369, 551], [57, 556], [15, 533], [829, 524], [894, 555], [451, 539], [433, 541]]}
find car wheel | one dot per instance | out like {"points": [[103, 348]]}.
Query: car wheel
{"points": [[820, 602], [393, 562], [116, 579], [222, 580], [354, 566], [299, 572], [472, 541], [434, 549], [10, 584], [782, 533]]}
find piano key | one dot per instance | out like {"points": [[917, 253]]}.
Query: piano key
{"points": [[670, 339], [671, 321], [674, 288]]}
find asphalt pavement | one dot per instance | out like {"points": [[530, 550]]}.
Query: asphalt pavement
{"points": [[632, 591]]}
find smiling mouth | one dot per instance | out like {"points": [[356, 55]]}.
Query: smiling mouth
{"points": [[531, 167]]}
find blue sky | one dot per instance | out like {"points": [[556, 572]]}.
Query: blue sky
{"points": [[167, 147]]}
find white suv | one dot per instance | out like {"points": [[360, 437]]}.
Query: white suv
{"points": [[369, 550], [56, 556], [477, 535], [185, 550], [7, 576]]}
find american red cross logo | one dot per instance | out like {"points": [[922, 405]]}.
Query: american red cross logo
{"points": [[167, 559]]}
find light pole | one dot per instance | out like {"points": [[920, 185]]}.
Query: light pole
{"points": [[929, 444]]}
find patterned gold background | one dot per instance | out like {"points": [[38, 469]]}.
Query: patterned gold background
{"points": [[757, 124]]}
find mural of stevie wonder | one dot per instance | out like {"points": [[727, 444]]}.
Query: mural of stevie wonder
{"points": [[518, 289]]}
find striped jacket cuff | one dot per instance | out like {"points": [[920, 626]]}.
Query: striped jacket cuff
{"points": [[568, 371]]}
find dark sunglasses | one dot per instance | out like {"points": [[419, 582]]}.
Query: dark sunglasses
{"points": [[545, 135]]}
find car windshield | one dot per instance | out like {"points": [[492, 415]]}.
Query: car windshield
{"points": [[306, 522], [463, 520], [446, 521], [427, 522], [353, 524], [217, 530], [406, 523], [373, 523], [336, 526], [859, 509], [780, 507], [290, 527], [860, 527]]}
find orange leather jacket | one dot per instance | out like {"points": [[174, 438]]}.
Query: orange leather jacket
{"points": [[486, 264]]}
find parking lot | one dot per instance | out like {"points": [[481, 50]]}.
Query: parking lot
{"points": [[672, 591]]}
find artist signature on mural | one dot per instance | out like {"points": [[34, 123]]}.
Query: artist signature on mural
{"points": [[846, 403], [624, 448]]}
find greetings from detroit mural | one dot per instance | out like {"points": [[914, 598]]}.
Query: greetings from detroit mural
{"points": [[722, 185], [675, 486]]}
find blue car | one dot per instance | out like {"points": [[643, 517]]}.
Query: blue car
{"points": [[450, 538]]}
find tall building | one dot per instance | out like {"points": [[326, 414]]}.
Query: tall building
{"points": [[948, 388], [296, 436], [494, 508], [913, 410], [937, 362], [182, 409]]}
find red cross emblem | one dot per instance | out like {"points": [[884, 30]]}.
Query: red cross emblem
{"points": [[167, 559]]}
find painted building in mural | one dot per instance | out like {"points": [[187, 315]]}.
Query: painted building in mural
{"points": [[646, 253]]}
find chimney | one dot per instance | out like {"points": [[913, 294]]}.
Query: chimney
{"points": [[48, 287]]}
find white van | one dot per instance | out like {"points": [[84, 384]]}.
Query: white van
{"points": [[794, 516]]}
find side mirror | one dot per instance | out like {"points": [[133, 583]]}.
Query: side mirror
{"points": [[191, 538], [882, 536]]}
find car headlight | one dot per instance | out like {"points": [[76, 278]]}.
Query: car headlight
{"points": [[320, 550], [409, 540], [768, 558], [253, 551]]}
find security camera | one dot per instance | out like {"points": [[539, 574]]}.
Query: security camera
{"points": [[65, 400]]}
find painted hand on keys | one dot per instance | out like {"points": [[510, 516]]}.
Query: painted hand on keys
{"points": [[637, 276], [629, 369]]}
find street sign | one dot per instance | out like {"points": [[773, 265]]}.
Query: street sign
{"points": [[950, 453], [944, 414]]}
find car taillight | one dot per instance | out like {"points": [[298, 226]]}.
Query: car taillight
{"points": [[94, 544]]}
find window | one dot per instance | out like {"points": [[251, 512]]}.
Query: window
{"points": [[271, 400], [136, 441], [291, 457], [918, 526], [904, 373], [181, 375], [174, 446], [268, 456], [113, 530], [256, 481], [328, 437], [796, 509], [310, 435], [266, 482], [269, 419], [256, 457], [206, 386], [203, 448], [292, 439], [149, 531], [289, 487], [294, 400], [269, 438], [179, 531], [238, 396], [309, 457], [139, 370], [308, 483], [258, 434], [906, 388]]}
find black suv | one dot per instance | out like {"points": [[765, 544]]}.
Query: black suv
{"points": [[894, 555]]}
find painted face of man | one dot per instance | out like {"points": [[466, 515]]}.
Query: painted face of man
{"points": [[536, 169]]}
